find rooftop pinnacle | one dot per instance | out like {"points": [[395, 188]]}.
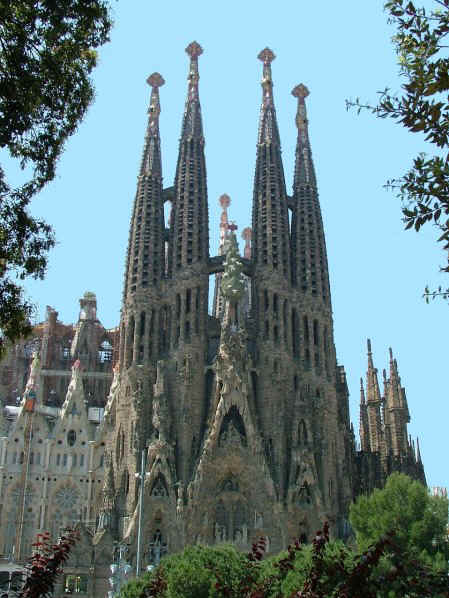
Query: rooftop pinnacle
{"points": [[304, 170], [301, 92], [192, 126], [193, 50], [267, 56], [154, 81], [151, 159]]}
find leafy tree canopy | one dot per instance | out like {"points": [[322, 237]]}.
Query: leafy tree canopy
{"points": [[418, 520], [47, 52], [422, 106], [323, 570]]}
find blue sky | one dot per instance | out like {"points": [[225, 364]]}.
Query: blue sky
{"points": [[339, 50]]}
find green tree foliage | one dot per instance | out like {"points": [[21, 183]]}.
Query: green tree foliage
{"points": [[193, 573], [47, 52], [422, 106], [418, 520], [323, 570]]}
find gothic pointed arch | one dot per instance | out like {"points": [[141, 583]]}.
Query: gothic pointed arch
{"points": [[233, 430]]}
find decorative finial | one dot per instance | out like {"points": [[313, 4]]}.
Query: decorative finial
{"points": [[266, 56], [390, 351], [368, 343], [361, 383], [155, 80], [224, 201], [301, 92], [194, 50]]}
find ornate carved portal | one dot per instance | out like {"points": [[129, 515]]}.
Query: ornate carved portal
{"points": [[231, 520]]}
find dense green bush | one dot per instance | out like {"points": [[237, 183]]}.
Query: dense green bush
{"points": [[419, 521]]}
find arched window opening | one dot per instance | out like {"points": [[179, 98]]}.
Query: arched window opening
{"points": [[130, 342], [142, 325], [305, 324], [221, 524], [302, 433], [275, 305], [316, 335], [305, 495], [295, 383], [105, 352], [230, 484], [284, 321], [307, 358], [232, 428], [157, 547], [71, 437], [295, 347]]}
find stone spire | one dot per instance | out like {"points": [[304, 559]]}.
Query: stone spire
{"points": [[310, 271], [189, 230], [304, 169], [145, 260], [192, 127], [151, 159], [364, 429], [374, 402], [218, 304], [268, 128], [418, 452], [271, 246], [396, 410]]}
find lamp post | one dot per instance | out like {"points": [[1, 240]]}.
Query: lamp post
{"points": [[140, 476], [119, 569]]}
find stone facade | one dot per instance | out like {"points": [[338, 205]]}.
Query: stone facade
{"points": [[242, 416], [51, 448]]}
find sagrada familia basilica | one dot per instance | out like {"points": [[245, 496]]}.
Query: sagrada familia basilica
{"points": [[239, 416]]}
